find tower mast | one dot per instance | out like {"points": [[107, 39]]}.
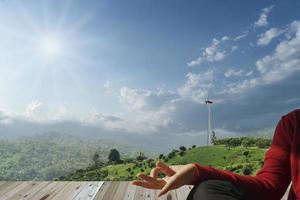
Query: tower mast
{"points": [[209, 131]]}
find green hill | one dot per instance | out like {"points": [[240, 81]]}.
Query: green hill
{"points": [[51, 155], [242, 157]]}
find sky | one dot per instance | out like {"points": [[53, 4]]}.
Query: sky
{"points": [[146, 67]]}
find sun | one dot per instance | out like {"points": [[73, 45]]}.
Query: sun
{"points": [[51, 46]]}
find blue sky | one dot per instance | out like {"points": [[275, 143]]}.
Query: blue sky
{"points": [[147, 66]]}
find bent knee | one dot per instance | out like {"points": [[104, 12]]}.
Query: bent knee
{"points": [[215, 190]]}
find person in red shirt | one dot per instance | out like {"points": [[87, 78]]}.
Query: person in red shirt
{"points": [[281, 166]]}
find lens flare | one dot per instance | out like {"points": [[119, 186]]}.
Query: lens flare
{"points": [[51, 47]]}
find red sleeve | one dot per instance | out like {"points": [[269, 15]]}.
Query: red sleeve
{"points": [[272, 180]]}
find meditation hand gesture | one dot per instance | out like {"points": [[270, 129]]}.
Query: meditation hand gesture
{"points": [[187, 174]]}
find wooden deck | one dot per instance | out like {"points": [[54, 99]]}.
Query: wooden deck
{"points": [[83, 191]]}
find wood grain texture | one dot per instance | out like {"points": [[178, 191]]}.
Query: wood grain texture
{"points": [[48, 191], [69, 191], [82, 191], [29, 188], [102, 191], [126, 191], [89, 191], [85, 191]]}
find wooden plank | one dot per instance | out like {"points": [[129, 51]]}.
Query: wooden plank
{"points": [[140, 193], [100, 194], [129, 195], [153, 195], [36, 189], [89, 191], [149, 194], [110, 191], [48, 192], [121, 190], [183, 192], [173, 195], [14, 190], [84, 191], [5, 185], [69, 191], [25, 191], [9, 187], [2, 183]]}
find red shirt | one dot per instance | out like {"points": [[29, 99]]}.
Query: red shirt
{"points": [[281, 165]]}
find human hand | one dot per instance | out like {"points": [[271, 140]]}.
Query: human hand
{"points": [[173, 179]]}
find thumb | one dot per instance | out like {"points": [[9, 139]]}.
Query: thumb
{"points": [[168, 186]]}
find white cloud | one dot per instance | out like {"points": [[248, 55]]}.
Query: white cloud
{"points": [[235, 47], [150, 110], [212, 53], [38, 112], [249, 73], [243, 35], [108, 121], [134, 99], [197, 86], [33, 110], [142, 100], [224, 38], [233, 72], [240, 87], [266, 37], [282, 63], [263, 18]]}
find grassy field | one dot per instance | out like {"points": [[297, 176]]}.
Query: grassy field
{"points": [[242, 160]]}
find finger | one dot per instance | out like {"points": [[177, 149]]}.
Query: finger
{"points": [[145, 184], [165, 168], [171, 184], [165, 189], [148, 178], [154, 172]]}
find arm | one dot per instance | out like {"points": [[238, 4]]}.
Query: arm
{"points": [[269, 183], [272, 180]]}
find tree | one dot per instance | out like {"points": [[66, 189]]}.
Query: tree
{"points": [[114, 155], [246, 154], [247, 170], [96, 159], [213, 138], [263, 143], [248, 142], [161, 156], [141, 157], [233, 142], [171, 154], [182, 148]]}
